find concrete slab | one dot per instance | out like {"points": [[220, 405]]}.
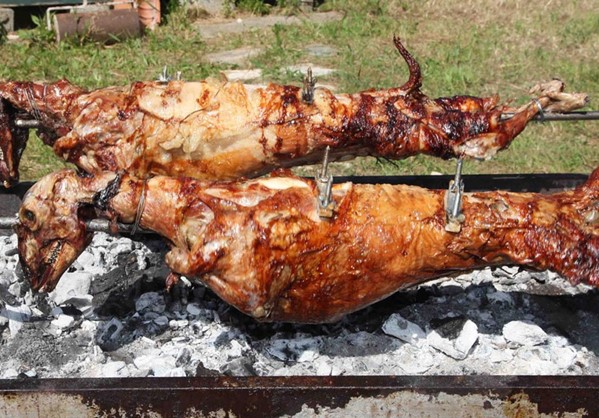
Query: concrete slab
{"points": [[212, 7], [7, 19], [242, 75], [237, 56], [316, 71], [320, 50], [213, 30]]}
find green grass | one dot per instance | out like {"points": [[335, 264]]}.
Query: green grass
{"points": [[477, 47]]}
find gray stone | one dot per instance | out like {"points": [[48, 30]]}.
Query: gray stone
{"points": [[524, 333], [237, 56], [7, 19], [403, 329]]}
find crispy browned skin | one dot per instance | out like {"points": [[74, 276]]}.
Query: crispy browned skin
{"points": [[261, 246], [219, 130]]}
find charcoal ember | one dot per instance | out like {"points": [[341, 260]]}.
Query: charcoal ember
{"points": [[201, 370], [206, 337], [242, 366], [115, 369], [115, 291], [524, 333], [63, 322], [150, 302], [71, 286], [405, 330], [455, 336], [35, 346], [109, 334]]}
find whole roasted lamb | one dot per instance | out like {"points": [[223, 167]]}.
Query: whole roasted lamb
{"points": [[262, 246], [218, 130]]}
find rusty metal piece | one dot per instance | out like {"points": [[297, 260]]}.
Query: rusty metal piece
{"points": [[491, 396], [107, 26]]}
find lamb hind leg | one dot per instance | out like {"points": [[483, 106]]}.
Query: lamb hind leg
{"points": [[13, 141]]}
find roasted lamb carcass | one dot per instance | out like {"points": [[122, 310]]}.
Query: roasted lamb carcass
{"points": [[218, 130], [262, 246]]}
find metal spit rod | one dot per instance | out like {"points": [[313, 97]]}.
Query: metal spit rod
{"points": [[541, 117], [94, 225], [560, 117]]}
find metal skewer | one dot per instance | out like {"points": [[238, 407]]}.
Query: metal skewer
{"points": [[545, 117], [93, 225], [560, 117]]}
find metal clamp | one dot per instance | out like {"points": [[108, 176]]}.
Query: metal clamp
{"points": [[164, 77], [541, 110], [453, 201], [324, 184], [308, 89], [141, 204]]}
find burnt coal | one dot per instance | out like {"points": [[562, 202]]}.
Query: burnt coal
{"points": [[115, 319]]}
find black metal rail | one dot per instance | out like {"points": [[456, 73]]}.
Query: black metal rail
{"points": [[431, 396]]}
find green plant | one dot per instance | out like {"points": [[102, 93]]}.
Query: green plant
{"points": [[257, 7], [40, 34]]}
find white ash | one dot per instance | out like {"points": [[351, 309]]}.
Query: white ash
{"points": [[110, 317]]}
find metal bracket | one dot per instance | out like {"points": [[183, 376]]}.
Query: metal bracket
{"points": [[164, 77], [308, 89], [453, 201], [324, 184], [541, 110]]}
